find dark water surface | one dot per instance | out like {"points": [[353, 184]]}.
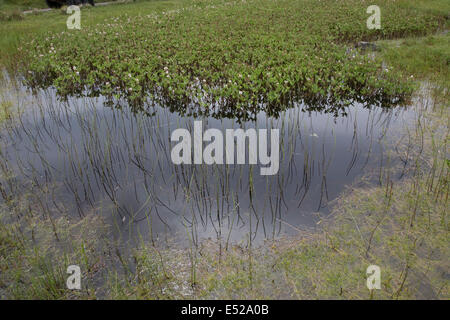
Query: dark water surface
{"points": [[87, 157]]}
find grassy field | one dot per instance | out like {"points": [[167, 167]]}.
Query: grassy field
{"points": [[400, 225], [10, 5], [427, 57], [11, 10]]}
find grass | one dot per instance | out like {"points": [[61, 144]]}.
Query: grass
{"points": [[21, 5], [427, 57], [8, 6], [11, 10], [5, 110], [35, 252], [400, 224]]}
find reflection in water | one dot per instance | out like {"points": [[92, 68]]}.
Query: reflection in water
{"points": [[86, 157]]}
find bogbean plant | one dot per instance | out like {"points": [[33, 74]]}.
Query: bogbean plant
{"points": [[240, 55]]}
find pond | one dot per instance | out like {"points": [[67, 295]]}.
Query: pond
{"points": [[85, 156]]}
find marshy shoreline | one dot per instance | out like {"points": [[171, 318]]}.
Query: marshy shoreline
{"points": [[392, 213]]}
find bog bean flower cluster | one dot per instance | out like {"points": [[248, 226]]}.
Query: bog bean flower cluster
{"points": [[238, 55]]}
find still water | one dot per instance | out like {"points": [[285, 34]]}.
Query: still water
{"points": [[87, 157]]}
